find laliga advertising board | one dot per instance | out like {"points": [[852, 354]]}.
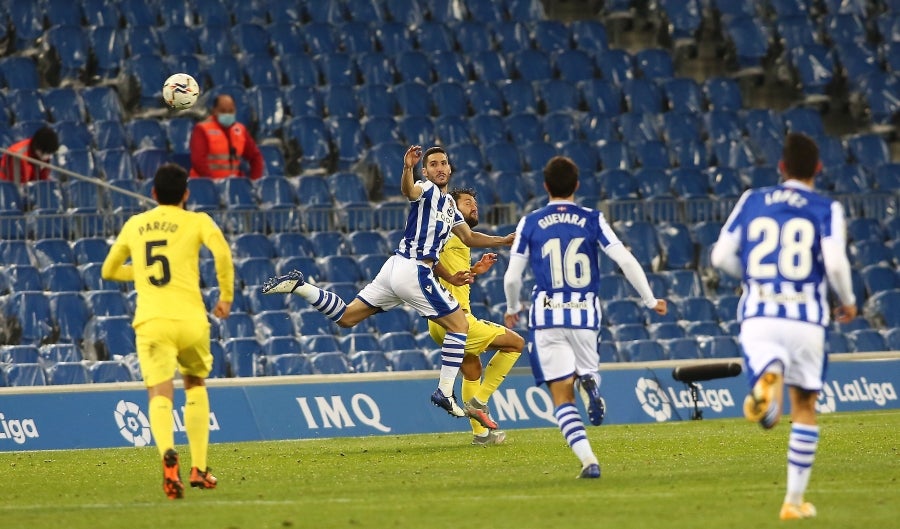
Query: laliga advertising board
{"points": [[391, 404]]}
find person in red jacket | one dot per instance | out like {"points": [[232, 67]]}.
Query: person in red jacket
{"points": [[219, 142], [41, 145]]}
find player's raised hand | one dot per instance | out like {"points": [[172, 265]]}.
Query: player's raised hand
{"points": [[485, 263], [510, 320], [412, 156]]}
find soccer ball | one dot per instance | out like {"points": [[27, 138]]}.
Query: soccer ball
{"points": [[180, 91]]}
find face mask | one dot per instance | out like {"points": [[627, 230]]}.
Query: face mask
{"points": [[226, 120]]}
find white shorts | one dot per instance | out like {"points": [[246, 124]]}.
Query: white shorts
{"points": [[798, 345], [558, 353], [409, 281]]}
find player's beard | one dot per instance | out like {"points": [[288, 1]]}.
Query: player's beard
{"points": [[471, 221]]}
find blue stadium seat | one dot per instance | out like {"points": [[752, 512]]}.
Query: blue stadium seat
{"points": [[329, 363], [485, 98], [52, 251], [238, 194], [892, 339], [291, 244], [240, 354], [867, 340], [371, 264], [19, 354], [115, 164], [357, 36], [880, 309], [62, 277], [287, 364], [302, 74], [342, 268], [107, 336], [368, 242], [106, 303], [520, 97], [270, 324], [804, 120], [865, 253], [369, 362], [397, 341], [558, 95], [724, 182], [147, 160], [396, 320], [608, 352], [816, 68], [68, 373], [682, 348], [641, 238], [50, 354], [358, 341], [677, 248], [252, 245], [70, 315], [665, 330], [643, 351], [394, 37], [109, 371], [703, 328], [310, 138], [260, 302], [509, 36], [25, 375], [719, 347], [338, 68], [307, 265], [319, 343], [254, 270], [698, 309], [237, 325], [24, 277], [409, 360], [616, 66], [878, 277], [623, 311], [627, 332], [204, 195], [20, 73], [90, 275], [525, 128]]}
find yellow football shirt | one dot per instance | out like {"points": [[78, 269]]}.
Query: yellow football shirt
{"points": [[454, 257], [164, 246]]}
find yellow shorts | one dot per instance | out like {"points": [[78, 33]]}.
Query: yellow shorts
{"points": [[165, 345], [481, 334]]}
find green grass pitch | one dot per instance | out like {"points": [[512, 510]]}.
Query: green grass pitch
{"points": [[714, 473]]}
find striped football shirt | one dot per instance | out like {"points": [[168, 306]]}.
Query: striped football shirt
{"points": [[428, 225], [562, 243]]}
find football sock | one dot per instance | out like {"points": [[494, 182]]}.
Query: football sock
{"points": [[802, 445], [495, 372], [328, 303], [452, 351], [161, 425], [196, 424], [469, 388], [572, 427]]}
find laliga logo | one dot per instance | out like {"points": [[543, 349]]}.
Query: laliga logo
{"points": [[825, 403], [653, 399], [133, 424]]}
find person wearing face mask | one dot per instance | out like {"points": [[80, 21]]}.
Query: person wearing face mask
{"points": [[41, 145], [218, 144]]}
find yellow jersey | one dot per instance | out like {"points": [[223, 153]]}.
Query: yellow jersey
{"points": [[164, 246], [455, 257]]}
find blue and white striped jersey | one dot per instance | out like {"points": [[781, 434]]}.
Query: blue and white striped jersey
{"points": [[778, 232], [562, 243], [428, 225]]}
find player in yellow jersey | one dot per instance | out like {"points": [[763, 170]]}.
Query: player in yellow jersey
{"points": [[170, 321], [456, 272]]}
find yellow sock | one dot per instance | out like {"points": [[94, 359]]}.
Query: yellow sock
{"points": [[495, 372], [161, 425], [469, 387], [196, 424]]}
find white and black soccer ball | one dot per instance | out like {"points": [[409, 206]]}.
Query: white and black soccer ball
{"points": [[180, 91]]}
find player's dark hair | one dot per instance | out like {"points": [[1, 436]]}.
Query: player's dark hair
{"points": [[457, 191], [45, 140], [429, 152], [561, 176], [170, 183], [800, 156]]}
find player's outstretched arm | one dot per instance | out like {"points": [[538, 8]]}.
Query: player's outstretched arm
{"points": [[476, 239], [407, 178], [463, 277], [512, 287], [636, 276]]}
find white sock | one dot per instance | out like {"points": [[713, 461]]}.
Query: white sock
{"points": [[802, 445]]}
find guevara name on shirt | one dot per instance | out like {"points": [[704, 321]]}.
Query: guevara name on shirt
{"points": [[556, 218]]}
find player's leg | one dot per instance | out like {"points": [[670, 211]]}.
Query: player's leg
{"points": [[766, 359], [195, 364], [471, 370], [587, 375], [556, 365], [293, 282], [802, 446], [158, 359], [452, 353], [804, 379], [509, 347]]}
